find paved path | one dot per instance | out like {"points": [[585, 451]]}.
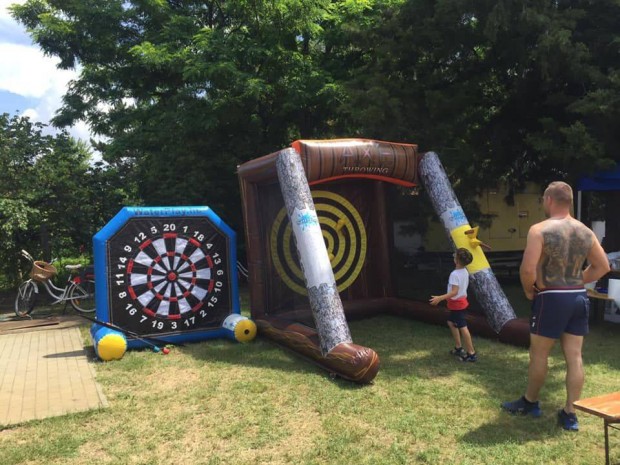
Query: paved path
{"points": [[45, 373]]}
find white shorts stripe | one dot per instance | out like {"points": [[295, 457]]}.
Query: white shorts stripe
{"points": [[561, 291]]}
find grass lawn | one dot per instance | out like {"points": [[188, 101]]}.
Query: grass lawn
{"points": [[220, 402]]}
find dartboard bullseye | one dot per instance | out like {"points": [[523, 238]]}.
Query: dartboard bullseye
{"points": [[168, 275], [345, 238]]}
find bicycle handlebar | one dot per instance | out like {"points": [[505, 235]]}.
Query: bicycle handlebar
{"points": [[31, 259], [27, 255]]}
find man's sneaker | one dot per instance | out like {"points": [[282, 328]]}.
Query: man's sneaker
{"points": [[469, 357], [458, 352], [523, 407], [568, 421]]}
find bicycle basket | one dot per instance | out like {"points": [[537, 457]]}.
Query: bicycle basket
{"points": [[42, 271]]}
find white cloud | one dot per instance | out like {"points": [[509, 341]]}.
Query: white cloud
{"points": [[26, 71], [10, 31]]}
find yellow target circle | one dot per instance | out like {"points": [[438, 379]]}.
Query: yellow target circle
{"points": [[345, 238]]}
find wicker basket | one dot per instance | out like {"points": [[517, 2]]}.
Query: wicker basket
{"points": [[42, 271]]}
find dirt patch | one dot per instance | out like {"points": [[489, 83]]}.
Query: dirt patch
{"points": [[10, 323]]}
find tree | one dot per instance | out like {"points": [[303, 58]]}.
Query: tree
{"points": [[186, 90], [504, 90], [21, 143], [51, 200]]}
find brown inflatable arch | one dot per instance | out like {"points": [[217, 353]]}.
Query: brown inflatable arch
{"points": [[348, 180]]}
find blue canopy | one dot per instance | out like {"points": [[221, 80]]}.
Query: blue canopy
{"points": [[601, 181]]}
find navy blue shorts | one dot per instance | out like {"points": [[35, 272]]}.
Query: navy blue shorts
{"points": [[557, 311], [458, 318]]}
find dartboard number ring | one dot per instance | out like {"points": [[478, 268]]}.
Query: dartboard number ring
{"points": [[168, 275]]}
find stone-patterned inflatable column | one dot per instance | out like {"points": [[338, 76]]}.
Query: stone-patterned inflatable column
{"points": [[325, 301], [497, 309]]}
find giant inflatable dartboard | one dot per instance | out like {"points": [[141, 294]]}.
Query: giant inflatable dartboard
{"points": [[345, 238], [167, 271]]}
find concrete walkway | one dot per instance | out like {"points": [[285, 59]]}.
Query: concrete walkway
{"points": [[45, 373]]}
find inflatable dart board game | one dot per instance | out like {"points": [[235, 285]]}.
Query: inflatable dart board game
{"points": [[166, 272]]}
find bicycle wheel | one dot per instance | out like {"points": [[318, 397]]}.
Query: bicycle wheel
{"points": [[83, 296], [26, 298]]}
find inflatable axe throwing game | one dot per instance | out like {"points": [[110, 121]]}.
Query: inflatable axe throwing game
{"points": [[319, 243]]}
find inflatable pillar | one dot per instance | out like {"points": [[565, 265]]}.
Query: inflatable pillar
{"points": [[109, 344], [325, 301], [239, 328], [497, 309]]}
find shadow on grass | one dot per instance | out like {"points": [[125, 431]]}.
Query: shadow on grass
{"points": [[601, 345], [514, 430], [406, 348], [411, 349], [260, 353]]}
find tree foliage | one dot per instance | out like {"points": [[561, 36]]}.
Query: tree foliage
{"points": [[184, 90], [508, 89], [504, 90], [52, 200]]}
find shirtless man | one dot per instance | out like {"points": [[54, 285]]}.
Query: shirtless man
{"points": [[552, 275]]}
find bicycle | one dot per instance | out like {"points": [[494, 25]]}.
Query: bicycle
{"points": [[79, 290]]}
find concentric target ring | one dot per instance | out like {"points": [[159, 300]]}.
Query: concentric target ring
{"points": [[345, 239]]}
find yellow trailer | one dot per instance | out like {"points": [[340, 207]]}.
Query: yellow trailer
{"points": [[509, 223]]}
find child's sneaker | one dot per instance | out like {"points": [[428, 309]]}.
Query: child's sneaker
{"points": [[469, 357], [523, 407], [568, 421], [458, 352]]}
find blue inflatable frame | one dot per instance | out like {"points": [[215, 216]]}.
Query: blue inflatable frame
{"points": [[101, 267]]}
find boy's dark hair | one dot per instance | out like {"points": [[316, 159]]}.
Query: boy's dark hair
{"points": [[464, 256]]}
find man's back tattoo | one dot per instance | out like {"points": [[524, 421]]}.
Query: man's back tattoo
{"points": [[566, 245]]}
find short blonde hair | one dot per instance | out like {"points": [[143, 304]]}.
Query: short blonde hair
{"points": [[560, 192]]}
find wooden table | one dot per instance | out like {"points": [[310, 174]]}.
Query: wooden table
{"points": [[599, 300], [607, 407]]}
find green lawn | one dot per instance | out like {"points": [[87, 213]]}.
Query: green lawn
{"points": [[220, 402]]}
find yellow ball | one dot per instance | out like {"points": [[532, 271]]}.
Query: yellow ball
{"points": [[111, 347], [245, 330]]}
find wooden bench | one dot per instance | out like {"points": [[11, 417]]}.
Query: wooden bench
{"points": [[607, 407], [598, 300]]}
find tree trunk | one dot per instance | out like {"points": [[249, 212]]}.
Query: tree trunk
{"points": [[45, 242]]}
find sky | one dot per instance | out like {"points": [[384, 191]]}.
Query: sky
{"points": [[30, 83]]}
